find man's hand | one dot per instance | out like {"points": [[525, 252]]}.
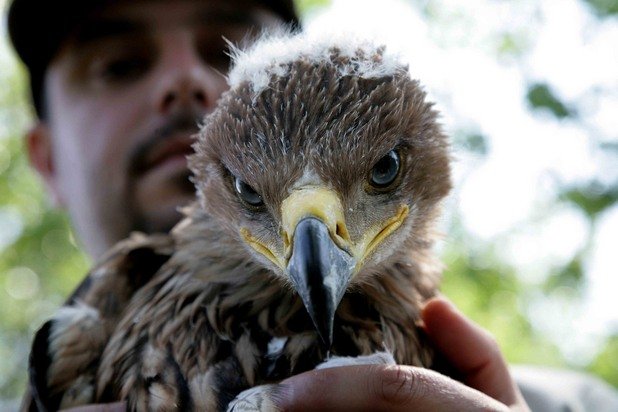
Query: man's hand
{"points": [[472, 352]]}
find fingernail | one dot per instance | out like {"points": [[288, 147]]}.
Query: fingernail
{"points": [[441, 300], [448, 303]]}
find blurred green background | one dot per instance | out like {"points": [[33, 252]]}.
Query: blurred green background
{"points": [[40, 261]]}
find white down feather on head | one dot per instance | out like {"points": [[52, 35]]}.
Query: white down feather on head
{"points": [[269, 57]]}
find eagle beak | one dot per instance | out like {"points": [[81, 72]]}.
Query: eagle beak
{"points": [[319, 257]]}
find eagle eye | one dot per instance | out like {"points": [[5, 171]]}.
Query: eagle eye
{"points": [[385, 171], [247, 194]]}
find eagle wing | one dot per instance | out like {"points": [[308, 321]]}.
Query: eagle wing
{"points": [[67, 349]]}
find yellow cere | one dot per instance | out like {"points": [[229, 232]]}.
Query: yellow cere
{"points": [[318, 202]]}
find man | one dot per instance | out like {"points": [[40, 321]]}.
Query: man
{"points": [[118, 96], [119, 87]]}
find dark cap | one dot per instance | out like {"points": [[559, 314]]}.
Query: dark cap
{"points": [[37, 29]]}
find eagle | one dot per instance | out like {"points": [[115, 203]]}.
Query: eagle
{"points": [[319, 180]]}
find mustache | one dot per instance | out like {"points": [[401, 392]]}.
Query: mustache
{"points": [[139, 157]]}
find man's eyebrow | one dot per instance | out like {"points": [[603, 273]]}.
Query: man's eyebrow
{"points": [[103, 28], [223, 17]]}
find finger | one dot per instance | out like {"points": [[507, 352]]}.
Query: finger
{"points": [[471, 350], [379, 388], [107, 407]]}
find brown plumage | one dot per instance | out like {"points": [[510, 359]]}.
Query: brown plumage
{"points": [[187, 320]]}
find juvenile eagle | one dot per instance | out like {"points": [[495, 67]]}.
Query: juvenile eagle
{"points": [[319, 178]]}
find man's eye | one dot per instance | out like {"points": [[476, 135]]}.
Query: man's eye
{"points": [[123, 69], [213, 42], [216, 54]]}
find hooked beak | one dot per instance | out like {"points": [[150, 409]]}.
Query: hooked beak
{"points": [[320, 272], [319, 254]]}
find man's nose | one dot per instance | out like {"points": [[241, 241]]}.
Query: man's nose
{"points": [[186, 81]]}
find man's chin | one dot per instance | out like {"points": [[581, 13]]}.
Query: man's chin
{"points": [[158, 196], [161, 216]]}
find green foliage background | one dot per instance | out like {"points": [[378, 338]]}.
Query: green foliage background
{"points": [[40, 262]]}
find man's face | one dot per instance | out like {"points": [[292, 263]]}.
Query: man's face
{"points": [[124, 96]]}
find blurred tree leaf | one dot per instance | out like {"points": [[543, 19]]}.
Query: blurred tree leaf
{"points": [[604, 8], [540, 96], [490, 293], [308, 6], [605, 364], [609, 146], [569, 276], [512, 44], [592, 198], [471, 142]]}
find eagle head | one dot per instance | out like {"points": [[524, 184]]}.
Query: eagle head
{"points": [[325, 161]]}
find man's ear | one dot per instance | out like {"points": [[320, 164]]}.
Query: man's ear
{"points": [[41, 156]]}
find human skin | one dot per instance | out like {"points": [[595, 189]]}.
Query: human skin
{"points": [[121, 110]]}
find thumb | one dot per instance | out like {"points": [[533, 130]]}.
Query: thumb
{"points": [[471, 350]]}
